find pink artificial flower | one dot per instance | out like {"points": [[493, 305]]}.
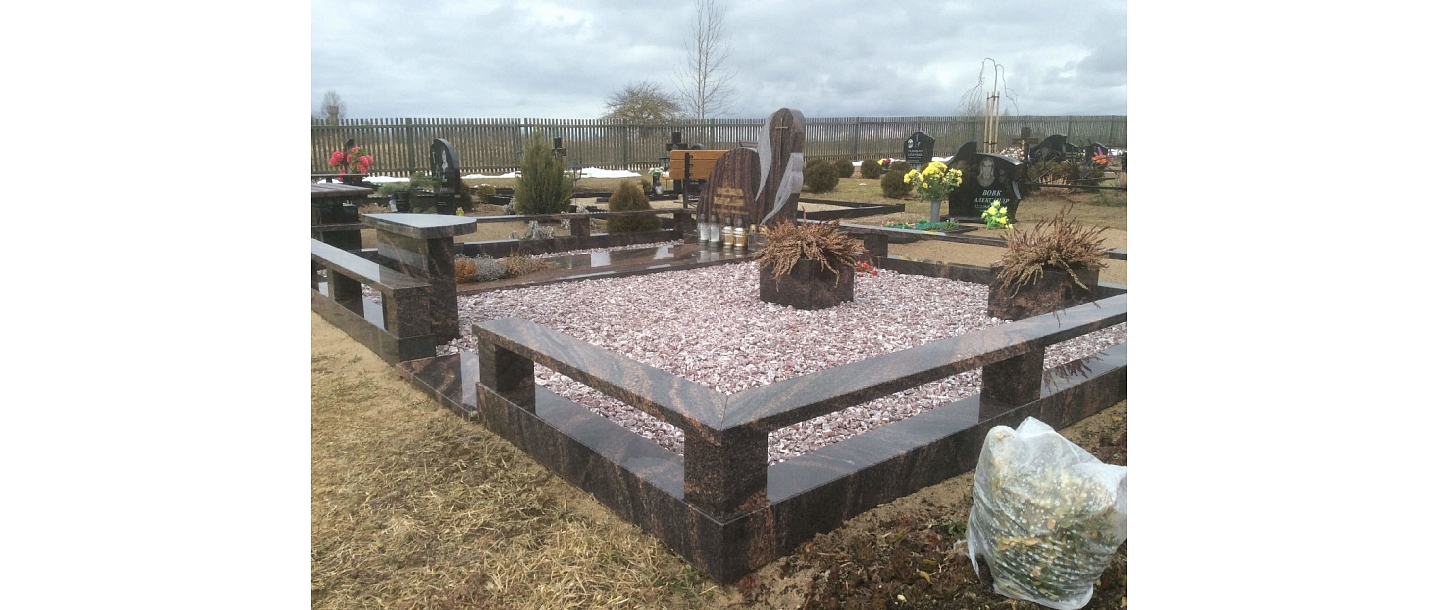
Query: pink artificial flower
{"points": [[336, 157], [343, 172], [365, 159]]}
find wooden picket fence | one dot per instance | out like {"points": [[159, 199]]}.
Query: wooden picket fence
{"points": [[494, 146]]}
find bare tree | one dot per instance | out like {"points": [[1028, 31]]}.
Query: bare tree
{"points": [[704, 82], [330, 105], [643, 101], [973, 102]]}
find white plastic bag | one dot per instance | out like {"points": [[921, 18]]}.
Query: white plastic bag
{"points": [[1048, 516]]}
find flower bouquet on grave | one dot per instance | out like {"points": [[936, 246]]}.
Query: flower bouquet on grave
{"points": [[935, 182], [354, 159], [996, 217]]}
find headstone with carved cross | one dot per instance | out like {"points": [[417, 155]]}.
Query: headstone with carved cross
{"points": [[782, 165]]}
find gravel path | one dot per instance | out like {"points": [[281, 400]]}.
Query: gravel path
{"points": [[709, 326]]}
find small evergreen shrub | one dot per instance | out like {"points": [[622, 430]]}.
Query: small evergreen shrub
{"points": [[626, 198], [477, 269], [543, 187], [821, 177], [488, 269], [845, 168], [870, 169], [893, 185]]}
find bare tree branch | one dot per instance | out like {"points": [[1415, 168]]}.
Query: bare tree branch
{"points": [[331, 102], [643, 101], [703, 81]]}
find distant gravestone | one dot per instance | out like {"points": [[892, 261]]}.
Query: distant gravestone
{"points": [[919, 149], [967, 150], [445, 167], [1050, 149], [733, 187], [782, 165], [985, 178]]}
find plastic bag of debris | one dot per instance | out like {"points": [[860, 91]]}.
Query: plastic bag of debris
{"points": [[1047, 517]]}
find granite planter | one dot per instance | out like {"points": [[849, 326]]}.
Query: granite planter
{"points": [[1054, 290], [808, 286]]}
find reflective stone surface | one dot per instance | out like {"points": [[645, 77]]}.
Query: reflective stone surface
{"points": [[619, 263]]}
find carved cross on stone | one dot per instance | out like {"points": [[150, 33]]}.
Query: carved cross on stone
{"points": [[782, 165]]}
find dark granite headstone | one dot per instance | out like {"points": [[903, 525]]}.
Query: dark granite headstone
{"points": [[967, 150], [445, 167], [1052, 148], [985, 178], [919, 149], [733, 186], [782, 164]]}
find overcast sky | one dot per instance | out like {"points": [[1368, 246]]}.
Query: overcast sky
{"points": [[824, 58]]}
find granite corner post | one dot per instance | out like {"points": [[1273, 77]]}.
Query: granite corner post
{"points": [[423, 246], [726, 471]]}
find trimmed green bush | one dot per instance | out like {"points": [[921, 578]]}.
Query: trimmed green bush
{"points": [[870, 169], [893, 185], [845, 168], [821, 177], [629, 197], [543, 187]]}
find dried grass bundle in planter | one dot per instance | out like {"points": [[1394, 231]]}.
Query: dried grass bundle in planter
{"points": [[1060, 243], [818, 241]]}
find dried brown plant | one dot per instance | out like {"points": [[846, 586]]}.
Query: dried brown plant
{"points": [[1060, 243], [517, 265], [464, 270], [820, 241]]}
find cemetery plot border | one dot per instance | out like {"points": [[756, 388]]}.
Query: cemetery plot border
{"points": [[720, 506]]}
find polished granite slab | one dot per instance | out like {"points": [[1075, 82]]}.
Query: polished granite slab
{"points": [[620, 263], [421, 226]]}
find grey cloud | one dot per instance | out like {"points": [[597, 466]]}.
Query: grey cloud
{"points": [[561, 59]]}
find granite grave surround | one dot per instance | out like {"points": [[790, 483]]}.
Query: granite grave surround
{"points": [[720, 506]]}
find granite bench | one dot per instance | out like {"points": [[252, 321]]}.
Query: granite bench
{"points": [[398, 330]]}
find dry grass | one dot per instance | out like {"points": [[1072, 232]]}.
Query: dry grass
{"points": [[413, 507], [1061, 243], [820, 241]]}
